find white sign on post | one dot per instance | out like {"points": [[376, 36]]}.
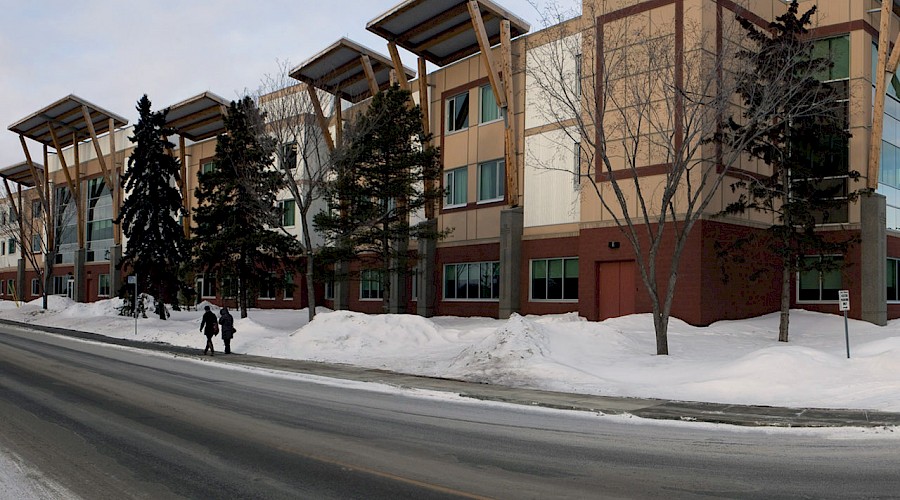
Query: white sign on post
{"points": [[844, 299], [132, 280]]}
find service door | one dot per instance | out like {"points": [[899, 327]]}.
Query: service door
{"points": [[616, 288]]}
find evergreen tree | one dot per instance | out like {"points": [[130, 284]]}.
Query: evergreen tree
{"points": [[156, 244], [805, 145], [378, 183], [236, 239]]}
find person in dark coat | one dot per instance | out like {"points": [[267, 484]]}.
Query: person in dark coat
{"points": [[209, 327], [227, 322]]}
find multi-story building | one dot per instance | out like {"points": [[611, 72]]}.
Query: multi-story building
{"points": [[518, 115]]}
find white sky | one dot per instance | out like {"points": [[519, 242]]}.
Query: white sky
{"points": [[111, 52]]}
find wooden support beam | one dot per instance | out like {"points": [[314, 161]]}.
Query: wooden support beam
{"points": [[370, 73], [37, 179], [185, 188], [115, 187], [49, 215], [895, 57], [484, 45], [96, 142], [62, 162], [509, 117], [398, 65], [79, 202], [424, 102], [338, 120], [320, 116], [873, 170]]}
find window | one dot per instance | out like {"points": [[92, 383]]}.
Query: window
{"points": [[491, 180], [267, 288], [414, 275], [207, 286], [819, 278], [554, 279], [3, 248], [836, 50], [289, 155], [288, 212], [458, 112], [11, 287], [489, 109], [371, 285], [578, 75], [576, 168], [12, 215], [329, 288], [456, 182], [60, 285], [103, 285], [289, 286], [11, 245], [2, 288], [207, 167], [36, 209], [35, 287], [893, 293], [472, 281], [35, 243]]}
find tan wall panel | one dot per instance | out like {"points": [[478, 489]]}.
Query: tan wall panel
{"points": [[487, 223]]}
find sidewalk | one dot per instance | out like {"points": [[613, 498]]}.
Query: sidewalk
{"points": [[745, 415]]}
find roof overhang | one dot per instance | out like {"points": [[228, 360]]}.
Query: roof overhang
{"points": [[198, 118], [67, 119], [340, 69], [441, 30], [20, 173]]}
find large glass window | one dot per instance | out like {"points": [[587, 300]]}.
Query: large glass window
{"points": [[491, 180], [836, 50], [289, 156], [66, 225], [472, 281], [458, 112], [554, 279], [99, 219], [820, 278], [289, 286], [455, 182], [489, 109], [371, 284], [103, 285], [893, 294], [267, 288], [35, 287], [288, 212]]}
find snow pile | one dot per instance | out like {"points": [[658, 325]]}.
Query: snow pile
{"points": [[738, 362]]}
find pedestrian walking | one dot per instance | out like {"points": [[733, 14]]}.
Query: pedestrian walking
{"points": [[227, 322], [210, 328]]}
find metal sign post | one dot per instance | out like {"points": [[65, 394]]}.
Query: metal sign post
{"points": [[844, 299], [132, 280]]}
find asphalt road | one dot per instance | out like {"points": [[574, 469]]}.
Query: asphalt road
{"points": [[112, 422]]}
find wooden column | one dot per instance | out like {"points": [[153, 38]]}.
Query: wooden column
{"points": [[484, 45], [425, 105], [115, 187], [37, 179], [185, 188], [73, 186], [509, 117], [370, 73], [398, 65], [79, 199], [873, 171], [320, 116], [49, 215], [96, 143], [338, 120]]}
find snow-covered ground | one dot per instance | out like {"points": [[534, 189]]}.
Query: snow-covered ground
{"points": [[728, 362]]}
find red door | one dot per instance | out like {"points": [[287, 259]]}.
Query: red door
{"points": [[616, 288]]}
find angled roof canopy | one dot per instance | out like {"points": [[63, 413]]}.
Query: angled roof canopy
{"points": [[441, 30], [20, 173], [198, 118], [67, 118], [340, 69]]}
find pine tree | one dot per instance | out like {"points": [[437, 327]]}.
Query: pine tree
{"points": [[806, 146], [156, 245], [236, 237], [379, 182]]}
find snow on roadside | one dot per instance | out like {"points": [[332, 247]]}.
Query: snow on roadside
{"points": [[737, 362]]}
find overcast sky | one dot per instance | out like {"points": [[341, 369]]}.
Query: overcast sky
{"points": [[110, 52]]}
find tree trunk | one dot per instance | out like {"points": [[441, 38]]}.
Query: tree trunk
{"points": [[310, 286], [785, 303], [661, 325]]}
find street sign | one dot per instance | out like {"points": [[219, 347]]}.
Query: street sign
{"points": [[132, 280], [844, 300]]}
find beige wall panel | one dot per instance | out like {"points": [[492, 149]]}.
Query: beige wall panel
{"points": [[487, 223], [456, 150], [490, 141], [456, 75], [456, 221], [544, 72]]}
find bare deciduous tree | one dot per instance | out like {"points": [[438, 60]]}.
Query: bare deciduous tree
{"points": [[647, 112], [302, 156]]}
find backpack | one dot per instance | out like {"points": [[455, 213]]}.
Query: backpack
{"points": [[215, 328]]}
